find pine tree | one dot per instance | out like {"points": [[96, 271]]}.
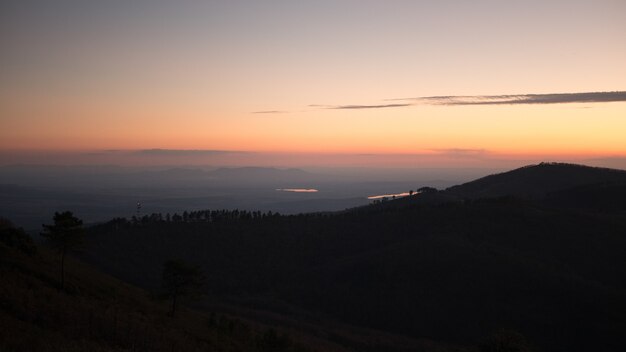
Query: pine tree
{"points": [[65, 235]]}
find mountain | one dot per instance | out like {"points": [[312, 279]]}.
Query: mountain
{"points": [[265, 175], [537, 181], [507, 252], [605, 197], [249, 172]]}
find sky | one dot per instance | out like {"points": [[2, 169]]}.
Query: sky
{"points": [[284, 83]]}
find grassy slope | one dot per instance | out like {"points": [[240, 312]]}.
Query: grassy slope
{"points": [[99, 313]]}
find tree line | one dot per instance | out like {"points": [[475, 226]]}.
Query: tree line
{"points": [[197, 216]]}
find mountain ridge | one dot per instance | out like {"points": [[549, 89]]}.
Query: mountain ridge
{"points": [[537, 180]]}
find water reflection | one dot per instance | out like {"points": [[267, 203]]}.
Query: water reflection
{"points": [[397, 195], [297, 190]]}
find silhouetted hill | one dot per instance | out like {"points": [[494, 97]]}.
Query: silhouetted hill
{"points": [[445, 269], [606, 197], [537, 181], [96, 312]]}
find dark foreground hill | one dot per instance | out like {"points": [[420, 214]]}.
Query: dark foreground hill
{"points": [[505, 252], [96, 312]]}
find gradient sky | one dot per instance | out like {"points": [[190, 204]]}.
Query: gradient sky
{"points": [[319, 77]]}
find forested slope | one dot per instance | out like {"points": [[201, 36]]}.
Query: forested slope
{"points": [[449, 271]]}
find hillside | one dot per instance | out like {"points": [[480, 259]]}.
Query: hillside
{"points": [[537, 181], [96, 312], [449, 271]]}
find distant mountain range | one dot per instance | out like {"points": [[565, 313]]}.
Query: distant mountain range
{"points": [[116, 176], [258, 172]]}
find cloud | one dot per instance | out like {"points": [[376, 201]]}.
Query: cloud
{"points": [[462, 153], [184, 152], [517, 99], [354, 107], [504, 99], [270, 112]]}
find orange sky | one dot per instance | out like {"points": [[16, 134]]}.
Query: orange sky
{"points": [[110, 77]]}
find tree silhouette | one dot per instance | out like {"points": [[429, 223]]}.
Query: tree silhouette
{"points": [[16, 237], [505, 340], [427, 190], [65, 235], [271, 341], [181, 279]]}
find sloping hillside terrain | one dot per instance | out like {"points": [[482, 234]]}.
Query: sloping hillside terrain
{"points": [[508, 251], [96, 312]]}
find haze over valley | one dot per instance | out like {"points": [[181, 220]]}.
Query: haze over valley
{"points": [[31, 194]]}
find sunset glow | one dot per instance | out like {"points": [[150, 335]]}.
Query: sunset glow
{"points": [[315, 79]]}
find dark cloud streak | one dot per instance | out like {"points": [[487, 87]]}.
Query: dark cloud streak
{"points": [[355, 107], [459, 100], [462, 153], [185, 152], [518, 99], [270, 112]]}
